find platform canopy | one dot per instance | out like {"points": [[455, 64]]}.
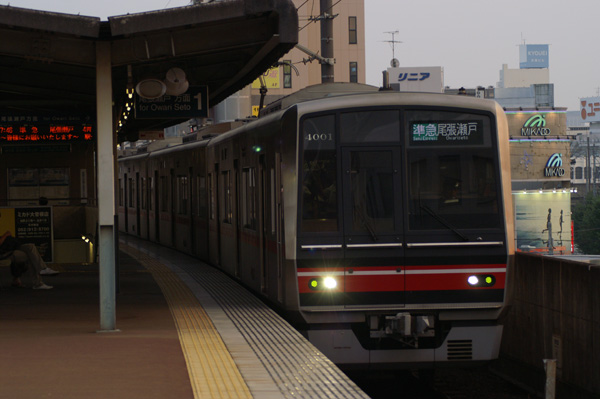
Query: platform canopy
{"points": [[48, 60]]}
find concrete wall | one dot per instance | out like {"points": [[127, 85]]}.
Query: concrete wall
{"points": [[554, 313]]}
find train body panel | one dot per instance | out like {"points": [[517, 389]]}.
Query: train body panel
{"points": [[380, 223]]}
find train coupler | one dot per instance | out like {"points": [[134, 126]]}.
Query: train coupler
{"points": [[402, 326]]}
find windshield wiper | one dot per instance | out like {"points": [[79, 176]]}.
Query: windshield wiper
{"points": [[444, 222]]}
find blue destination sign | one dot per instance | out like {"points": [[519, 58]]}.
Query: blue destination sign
{"points": [[191, 104]]}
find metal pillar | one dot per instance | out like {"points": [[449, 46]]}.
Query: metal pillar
{"points": [[106, 197]]}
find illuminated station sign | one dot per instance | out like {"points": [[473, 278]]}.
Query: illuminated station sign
{"points": [[39, 128]]}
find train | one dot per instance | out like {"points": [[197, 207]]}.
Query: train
{"points": [[379, 223]]}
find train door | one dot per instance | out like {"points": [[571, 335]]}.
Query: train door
{"points": [[147, 208], [217, 212], [137, 205], [156, 206], [372, 222], [173, 210], [193, 209], [262, 187], [126, 202], [236, 222], [277, 222]]}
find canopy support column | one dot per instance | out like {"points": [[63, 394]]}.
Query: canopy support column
{"points": [[106, 187]]}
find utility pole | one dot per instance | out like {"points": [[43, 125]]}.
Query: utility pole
{"points": [[587, 166], [326, 41]]}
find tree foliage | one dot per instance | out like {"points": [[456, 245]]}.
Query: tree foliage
{"points": [[586, 220]]}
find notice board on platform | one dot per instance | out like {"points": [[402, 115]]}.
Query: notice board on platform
{"points": [[31, 224]]}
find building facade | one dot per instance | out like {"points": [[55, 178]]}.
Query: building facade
{"points": [[299, 69], [541, 179]]}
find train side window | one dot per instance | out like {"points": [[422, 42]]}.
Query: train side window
{"points": [[249, 198], [319, 175], [182, 194], [164, 194], [130, 193], [201, 196], [143, 193], [227, 215], [121, 192], [211, 194], [151, 192], [370, 126]]}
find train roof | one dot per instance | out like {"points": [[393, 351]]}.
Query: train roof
{"points": [[317, 91], [394, 98]]}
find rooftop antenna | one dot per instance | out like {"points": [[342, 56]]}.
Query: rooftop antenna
{"points": [[394, 63]]}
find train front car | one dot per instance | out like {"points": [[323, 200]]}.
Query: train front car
{"points": [[404, 228]]}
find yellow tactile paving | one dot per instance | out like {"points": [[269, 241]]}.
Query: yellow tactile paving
{"points": [[212, 371]]}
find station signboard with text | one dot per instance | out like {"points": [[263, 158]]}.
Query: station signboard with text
{"points": [[15, 128], [191, 104]]}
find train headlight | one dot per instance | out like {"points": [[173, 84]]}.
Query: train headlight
{"points": [[473, 280], [481, 280], [329, 283], [325, 283]]}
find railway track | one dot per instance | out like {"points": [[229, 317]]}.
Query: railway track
{"points": [[447, 383]]}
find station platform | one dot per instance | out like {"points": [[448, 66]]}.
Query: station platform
{"points": [[184, 330]]}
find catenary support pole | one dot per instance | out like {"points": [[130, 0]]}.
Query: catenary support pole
{"points": [[326, 41], [106, 201]]}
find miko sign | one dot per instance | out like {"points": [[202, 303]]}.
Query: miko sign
{"points": [[191, 104]]}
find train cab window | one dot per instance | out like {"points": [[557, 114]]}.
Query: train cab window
{"points": [[372, 192], [453, 174], [319, 175], [370, 126]]}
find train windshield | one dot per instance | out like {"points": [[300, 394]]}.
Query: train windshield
{"points": [[443, 163], [452, 171]]}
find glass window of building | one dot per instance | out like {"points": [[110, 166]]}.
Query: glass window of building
{"points": [[352, 32], [354, 72], [287, 74]]}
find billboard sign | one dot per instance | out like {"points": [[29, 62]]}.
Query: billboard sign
{"points": [[543, 221], [419, 79], [30, 225], [537, 162], [533, 56], [590, 109], [536, 124], [271, 79]]}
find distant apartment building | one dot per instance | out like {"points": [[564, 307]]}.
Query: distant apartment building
{"points": [[299, 69], [529, 85]]}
